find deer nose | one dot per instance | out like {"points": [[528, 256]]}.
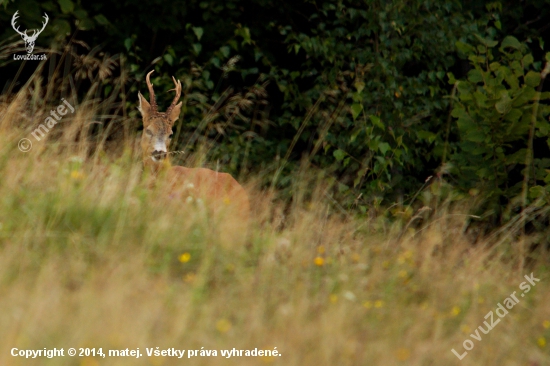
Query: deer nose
{"points": [[159, 155]]}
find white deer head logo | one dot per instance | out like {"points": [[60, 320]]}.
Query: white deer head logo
{"points": [[29, 40]]}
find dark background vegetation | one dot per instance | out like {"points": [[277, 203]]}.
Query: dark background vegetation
{"points": [[405, 102]]}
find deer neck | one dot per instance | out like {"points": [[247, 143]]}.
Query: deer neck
{"points": [[155, 168]]}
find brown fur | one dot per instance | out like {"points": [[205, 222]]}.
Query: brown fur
{"points": [[220, 193]]}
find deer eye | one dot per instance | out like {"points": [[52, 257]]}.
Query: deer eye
{"points": [[149, 133]]}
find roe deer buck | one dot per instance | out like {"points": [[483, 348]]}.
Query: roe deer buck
{"points": [[219, 192]]}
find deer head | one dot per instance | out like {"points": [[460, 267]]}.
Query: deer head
{"points": [[29, 40], [157, 126]]}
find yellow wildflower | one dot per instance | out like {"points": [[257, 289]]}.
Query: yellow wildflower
{"points": [[541, 342], [455, 311], [319, 261], [77, 175], [378, 303], [185, 257], [223, 325]]}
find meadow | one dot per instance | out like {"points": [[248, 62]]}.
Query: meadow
{"points": [[92, 256]]}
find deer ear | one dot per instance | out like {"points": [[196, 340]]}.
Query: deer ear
{"points": [[175, 113], [144, 107]]}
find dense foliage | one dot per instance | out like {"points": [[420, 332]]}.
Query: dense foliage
{"points": [[380, 94]]}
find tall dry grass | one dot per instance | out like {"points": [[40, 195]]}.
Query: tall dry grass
{"points": [[91, 256]]}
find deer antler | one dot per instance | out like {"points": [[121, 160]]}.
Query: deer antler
{"points": [[177, 97], [13, 19], [151, 93], [37, 32]]}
